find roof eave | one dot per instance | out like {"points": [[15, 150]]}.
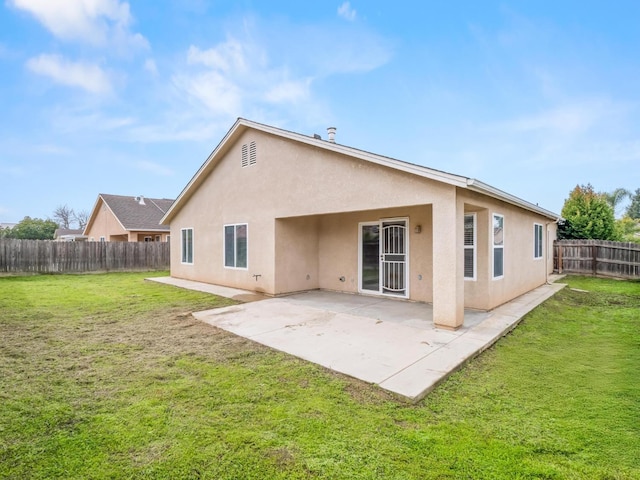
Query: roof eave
{"points": [[485, 189]]}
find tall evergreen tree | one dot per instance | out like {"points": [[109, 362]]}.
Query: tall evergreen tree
{"points": [[588, 215]]}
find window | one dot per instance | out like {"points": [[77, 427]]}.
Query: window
{"points": [[168, 238], [102, 239], [249, 155], [537, 240], [148, 239], [498, 245], [470, 246], [235, 245], [187, 245], [158, 238]]}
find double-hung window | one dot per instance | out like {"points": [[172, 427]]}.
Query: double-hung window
{"points": [[498, 245], [235, 245], [186, 245], [537, 240], [470, 246]]}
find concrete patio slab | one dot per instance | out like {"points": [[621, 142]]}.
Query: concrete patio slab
{"points": [[388, 342]]}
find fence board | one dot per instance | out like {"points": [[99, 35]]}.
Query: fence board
{"points": [[45, 256], [597, 257]]}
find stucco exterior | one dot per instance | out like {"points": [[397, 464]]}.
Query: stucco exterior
{"points": [[305, 202]]}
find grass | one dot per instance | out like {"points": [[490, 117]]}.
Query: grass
{"points": [[108, 376]]}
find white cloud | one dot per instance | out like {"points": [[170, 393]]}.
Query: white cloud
{"points": [[288, 91], [87, 76], [227, 57], [150, 66], [217, 92], [571, 118], [345, 11], [99, 22], [156, 169]]}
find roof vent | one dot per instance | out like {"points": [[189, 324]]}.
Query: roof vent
{"points": [[140, 200], [332, 134], [317, 137]]}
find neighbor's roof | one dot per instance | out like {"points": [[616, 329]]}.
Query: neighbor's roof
{"points": [[67, 231], [241, 125], [132, 213]]}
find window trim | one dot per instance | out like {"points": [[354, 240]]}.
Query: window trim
{"points": [[495, 247], [540, 245], [103, 239], [235, 246], [184, 257], [473, 247]]}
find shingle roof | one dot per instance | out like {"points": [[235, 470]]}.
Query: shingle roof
{"points": [[67, 231], [136, 215]]}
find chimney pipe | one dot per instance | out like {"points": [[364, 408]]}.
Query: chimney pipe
{"points": [[332, 134]]}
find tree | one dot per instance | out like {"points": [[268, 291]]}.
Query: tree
{"points": [[64, 216], [588, 215], [616, 197], [628, 229], [33, 229], [82, 218], [633, 210]]}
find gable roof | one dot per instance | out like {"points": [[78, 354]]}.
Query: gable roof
{"points": [[241, 125], [134, 213]]}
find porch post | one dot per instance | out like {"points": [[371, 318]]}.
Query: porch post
{"points": [[448, 262]]}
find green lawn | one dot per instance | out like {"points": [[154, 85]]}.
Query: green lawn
{"points": [[108, 376]]}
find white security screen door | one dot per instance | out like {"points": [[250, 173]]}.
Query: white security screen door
{"points": [[383, 257]]}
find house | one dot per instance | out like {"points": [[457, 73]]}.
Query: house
{"points": [[121, 218], [277, 212], [69, 235]]}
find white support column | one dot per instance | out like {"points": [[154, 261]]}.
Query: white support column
{"points": [[448, 263]]}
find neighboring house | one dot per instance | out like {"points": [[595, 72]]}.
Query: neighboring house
{"points": [[278, 212], [69, 235], [121, 218]]}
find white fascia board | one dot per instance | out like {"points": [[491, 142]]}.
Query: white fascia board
{"points": [[481, 187], [202, 168]]}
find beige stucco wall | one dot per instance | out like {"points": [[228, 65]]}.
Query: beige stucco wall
{"points": [[303, 206], [522, 272], [105, 225], [289, 180]]}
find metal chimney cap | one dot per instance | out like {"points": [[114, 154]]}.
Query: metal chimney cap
{"points": [[332, 134]]}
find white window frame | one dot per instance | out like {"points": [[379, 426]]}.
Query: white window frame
{"points": [[473, 247], [184, 254], [235, 246], [147, 238], [538, 252], [103, 239], [495, 247], [168, 238]]}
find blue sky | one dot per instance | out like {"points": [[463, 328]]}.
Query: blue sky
{"points": [[105, 96]]}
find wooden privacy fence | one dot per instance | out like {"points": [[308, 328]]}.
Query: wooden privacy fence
{"points": [[597, 257], [45, 256]]}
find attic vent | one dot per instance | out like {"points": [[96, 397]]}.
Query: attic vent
{"points": [[249, 155], [252, 153]]}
